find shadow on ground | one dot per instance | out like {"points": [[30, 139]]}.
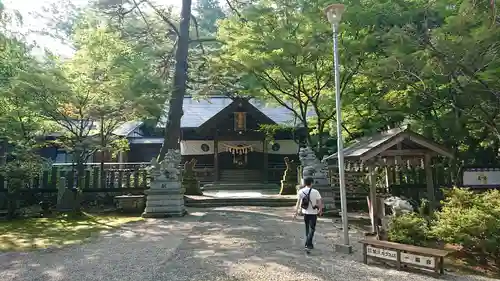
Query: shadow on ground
{"points": [[220, 245], [35, 233]]}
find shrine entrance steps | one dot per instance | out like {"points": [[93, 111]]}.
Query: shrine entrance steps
{"points": [[241, 175], [230, 198], [241, 185]]}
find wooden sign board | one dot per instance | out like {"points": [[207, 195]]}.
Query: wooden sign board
{"points": [[407, 258], [382, 253], [419, 260]]}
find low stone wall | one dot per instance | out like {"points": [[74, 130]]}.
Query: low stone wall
{"points": [[131, 203]]}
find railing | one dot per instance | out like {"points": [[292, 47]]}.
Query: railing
{"points": [[204, 172], [115, 179], [275, 172]]}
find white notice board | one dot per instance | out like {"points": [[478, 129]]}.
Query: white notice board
{"points": [[481, 177]]}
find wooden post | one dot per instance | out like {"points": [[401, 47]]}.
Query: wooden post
{"points": [[136, 178], [429, 182], [45, 179], [441, 265], [389, 172], [265, 170], [111, 178], [127, 179], [216, 159], [120, 160], [398, 163], [365, 254], [54, 174], [398, 259], [373, 196], [87, 179], [145, 179], [95, 178], [120, 179]]}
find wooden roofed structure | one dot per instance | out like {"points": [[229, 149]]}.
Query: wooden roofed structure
{"points": [[394, 142], [393, 147]]}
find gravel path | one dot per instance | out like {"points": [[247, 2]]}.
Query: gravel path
{"points": [[222, 244]]}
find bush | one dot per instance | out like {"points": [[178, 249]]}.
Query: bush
{"points": [[18, 171], [472, 221], [409, 229]]}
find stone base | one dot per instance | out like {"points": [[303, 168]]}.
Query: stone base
{"points": [[164, 199], [288, 188], [342, 248], [131, 203], [331, 213], [164, 215], [328, 196], [192, 187]]}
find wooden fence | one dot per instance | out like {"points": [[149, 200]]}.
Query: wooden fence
{"points": [[409, 182], [126, 177]]}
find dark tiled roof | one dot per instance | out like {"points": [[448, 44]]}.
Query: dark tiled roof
{"points": [[365, 144], [126, 128], [198, 111]]}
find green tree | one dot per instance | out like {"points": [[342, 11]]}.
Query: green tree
{"points": [[286, 47], [208, 12], [106, 83], [440, 71]]}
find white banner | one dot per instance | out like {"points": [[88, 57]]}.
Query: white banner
{"points": [[197, 147], [225, 146], [288, 147], [480, 177], [194, 147]]}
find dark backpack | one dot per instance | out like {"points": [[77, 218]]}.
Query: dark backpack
{"points": [[306, 199]]}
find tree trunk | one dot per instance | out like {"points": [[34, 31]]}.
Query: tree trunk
{"points": [[173, 126], [103, 154]]}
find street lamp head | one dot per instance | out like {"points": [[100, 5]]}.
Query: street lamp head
{"points": [[334, 13]]}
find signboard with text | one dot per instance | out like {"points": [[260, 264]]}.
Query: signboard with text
{"points": [[476, 177], [418, 260], [407, 258], [381, 253]]}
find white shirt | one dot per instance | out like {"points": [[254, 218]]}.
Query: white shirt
{"points": [[314, 198]]}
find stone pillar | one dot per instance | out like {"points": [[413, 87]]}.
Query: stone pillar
{"points": [[312, 167], [165, 197]]}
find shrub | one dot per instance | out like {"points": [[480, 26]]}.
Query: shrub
{"points": [[18, 171], [470, 220], [409, 229]]}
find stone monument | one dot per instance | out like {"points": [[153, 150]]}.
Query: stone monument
{"points": [[66, 197], [313, 167], [398, 205], [190, 184], [289, 180], [165, 197]]}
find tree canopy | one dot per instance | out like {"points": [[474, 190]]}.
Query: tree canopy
{"points": [[433, 65]]}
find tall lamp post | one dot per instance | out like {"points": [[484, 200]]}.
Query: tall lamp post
{"points": [[334, 15]]}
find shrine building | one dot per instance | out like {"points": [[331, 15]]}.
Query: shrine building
{"points": [[223, 135]]}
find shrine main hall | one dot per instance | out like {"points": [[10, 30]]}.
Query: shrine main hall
{"points": [[225, 136]]}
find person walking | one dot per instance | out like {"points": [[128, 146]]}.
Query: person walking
{"points": [[310, 204]]}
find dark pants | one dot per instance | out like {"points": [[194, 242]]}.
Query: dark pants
{"points": [[310, 222]]}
